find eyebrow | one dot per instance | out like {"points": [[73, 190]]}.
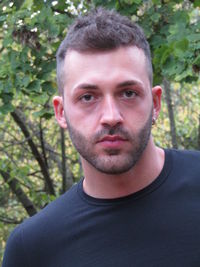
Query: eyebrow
{"points": [[129, 83], [88, 86]]}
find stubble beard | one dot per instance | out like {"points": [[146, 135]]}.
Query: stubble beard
{"points": [[113, 161]]}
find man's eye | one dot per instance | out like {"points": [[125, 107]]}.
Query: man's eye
{"points": [[87, 98], [129, 94]]}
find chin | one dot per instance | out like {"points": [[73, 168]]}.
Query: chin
{"points": [[113, 165]]}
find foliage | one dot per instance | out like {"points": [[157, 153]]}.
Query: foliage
{"points": [[30, 32]]}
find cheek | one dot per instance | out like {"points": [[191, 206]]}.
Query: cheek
{"points": [[136, 117], [146, 107], [85, 123], [137, 112], [81, 116]]}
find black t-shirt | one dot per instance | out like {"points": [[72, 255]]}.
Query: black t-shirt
{"points": [[158, 226]]}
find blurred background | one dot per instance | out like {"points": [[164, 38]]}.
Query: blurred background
{"points": [[37, 159]]}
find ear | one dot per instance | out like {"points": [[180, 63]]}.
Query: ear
{"points": [[156, 93], [59, 111]]}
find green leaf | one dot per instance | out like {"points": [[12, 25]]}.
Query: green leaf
{"points": [[181, 17], [25, 81], [161, 55], [155, 17], [47, 114], [7, 41], [6, 108], [18, 3], [2, 18], [172, 68], [40, 99], [34, 86], [181, 47], [130, 2], [27, 4], [156, 2], [7, 96], [48, 66], [14, 60], [197, 61], [183, 75], [38, 4], [106, 3], [178, 31], [48, 87], [197, 3]]}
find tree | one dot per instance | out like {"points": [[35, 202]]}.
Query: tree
{"points": [[33, 168], [35, 165]]}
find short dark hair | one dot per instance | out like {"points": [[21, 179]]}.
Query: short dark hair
{"points": [[101, 30]]}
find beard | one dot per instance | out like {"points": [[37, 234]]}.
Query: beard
{"points": [[112, 161]]}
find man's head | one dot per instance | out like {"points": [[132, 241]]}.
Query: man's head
{"points": [[106, 100], [101, 30]]}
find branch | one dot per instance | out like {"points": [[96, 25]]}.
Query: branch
{"points": [[9, 157], [167, 90], [1, 50], [20, 194], [63, 12], [67, 177], [10, 220], [55, 156], [42, 144], [16, 116]]}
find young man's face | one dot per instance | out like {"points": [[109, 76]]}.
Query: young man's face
{"points": [[107, 106]]}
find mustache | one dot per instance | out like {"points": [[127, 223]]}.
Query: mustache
{"points": [[112, 130]]}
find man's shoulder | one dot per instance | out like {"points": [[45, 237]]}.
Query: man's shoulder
{"points": [[50, 217], [185, 165], [184, 155], [41, 229]]}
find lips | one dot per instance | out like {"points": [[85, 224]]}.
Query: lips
{"points": [[112, 142], [112, 138]]}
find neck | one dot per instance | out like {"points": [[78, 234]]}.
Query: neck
{"points": [[145, 171]]}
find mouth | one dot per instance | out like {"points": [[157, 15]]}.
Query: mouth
{"points": [[112, 138], [112, 141]]}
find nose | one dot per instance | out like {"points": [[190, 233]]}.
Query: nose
{"points": [[111, 114]]}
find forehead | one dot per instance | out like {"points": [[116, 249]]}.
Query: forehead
{"points": [[107, 66]]}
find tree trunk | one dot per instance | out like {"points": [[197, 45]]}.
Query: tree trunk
{"points": [[43, 145], [167, 91], [17, 190], [16, 116], [67, 177]]}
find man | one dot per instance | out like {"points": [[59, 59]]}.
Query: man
{"points": [[137, 205]]}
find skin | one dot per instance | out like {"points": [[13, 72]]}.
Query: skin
{"points": [[108, 105]]}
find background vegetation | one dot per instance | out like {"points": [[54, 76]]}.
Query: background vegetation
{"points": [[35, 167]]}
